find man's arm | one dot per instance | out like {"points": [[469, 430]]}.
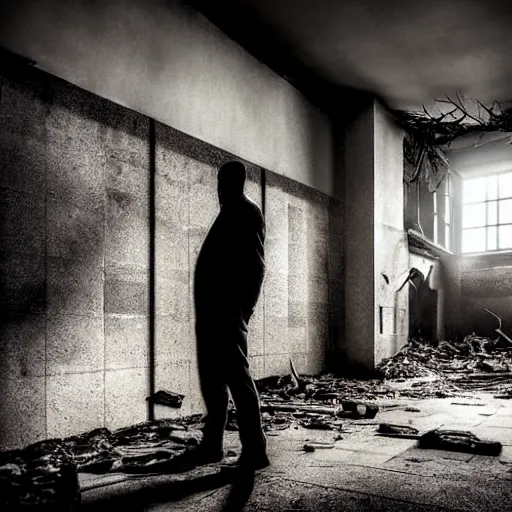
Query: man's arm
{"points": [[253, 262]]}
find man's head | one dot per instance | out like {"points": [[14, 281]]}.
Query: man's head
{"points": [[231, 181]]}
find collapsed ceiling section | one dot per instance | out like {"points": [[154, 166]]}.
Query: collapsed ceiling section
{"points": [[447, 126]]}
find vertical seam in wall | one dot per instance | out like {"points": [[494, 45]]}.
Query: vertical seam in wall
{"points": [[309, 359], [191, 282], [45, 277], [263, 185], [152, 262], [191, 298], [105, 233], [46, 315], [330, 356], [374, 172]]}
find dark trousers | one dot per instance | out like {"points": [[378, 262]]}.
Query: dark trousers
{"points": [[223, 364]]}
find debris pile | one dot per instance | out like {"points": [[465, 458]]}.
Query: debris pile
{"points": [[416, 359], [45, 474], [473, 364], [404, 431], [326, 389], [42, 476]]}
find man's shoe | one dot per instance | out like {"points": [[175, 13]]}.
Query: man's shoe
{"points": [[247, 463], [191, 458]]}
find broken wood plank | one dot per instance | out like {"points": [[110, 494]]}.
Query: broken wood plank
{"points": [[459, 441], [390, 428], [167, 398]]}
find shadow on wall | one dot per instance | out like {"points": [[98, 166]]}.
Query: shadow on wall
{"points": [[74, 182]]}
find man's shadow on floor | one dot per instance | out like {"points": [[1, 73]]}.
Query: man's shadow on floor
{"points": [[140, 493]]}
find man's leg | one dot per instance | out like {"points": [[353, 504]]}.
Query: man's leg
{"points": [[245, 396], [212, 377], [215, 394]]}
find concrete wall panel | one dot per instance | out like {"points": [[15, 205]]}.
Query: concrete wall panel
{"points": [[75, 403], [127, 214], [126, 342], [22, 349], [25, 423], [175, 341], [23, 163], [125, 397], [74, 344], [74, 289], [127, 292], [58, 240]]}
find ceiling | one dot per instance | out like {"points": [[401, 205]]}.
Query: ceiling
{"points": [[408, 52]]}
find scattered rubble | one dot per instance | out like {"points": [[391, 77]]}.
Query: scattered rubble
{"points": [[167, 398], [405, 431], [317, 424], [46, 473], [459, 441], [473, 364], [312, 446], [42, 476]]}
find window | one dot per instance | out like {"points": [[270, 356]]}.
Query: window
{"points": [[487, 213], [443, 214]]}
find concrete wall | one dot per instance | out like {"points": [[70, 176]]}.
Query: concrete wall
{"points": [[474, 283], [391, 249], [168, 62], [75, 206], [292, 318], [74, 261], [358, 142], [75, 264], [375, 243]]}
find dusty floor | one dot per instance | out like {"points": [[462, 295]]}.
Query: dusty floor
{"points": [[363, 471]]}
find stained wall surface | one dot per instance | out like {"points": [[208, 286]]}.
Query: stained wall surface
{"points": [[165, 60], [74, 261], [292, 318], [75, 266]]}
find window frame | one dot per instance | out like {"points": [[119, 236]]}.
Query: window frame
{"points": [[438, 217], [486, 225]]}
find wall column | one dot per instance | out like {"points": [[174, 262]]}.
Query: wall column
{"points": [[376, 257]]}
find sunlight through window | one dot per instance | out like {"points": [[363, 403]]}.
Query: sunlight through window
{"points": [[487, 213]]}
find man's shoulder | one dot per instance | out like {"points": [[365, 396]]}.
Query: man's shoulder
{"points": [[252, 207]]}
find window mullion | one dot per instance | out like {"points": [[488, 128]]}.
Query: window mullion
{"points": [[498, 224]]}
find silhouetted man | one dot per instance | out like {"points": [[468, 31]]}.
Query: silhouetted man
{"points": [[229, 274]]}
